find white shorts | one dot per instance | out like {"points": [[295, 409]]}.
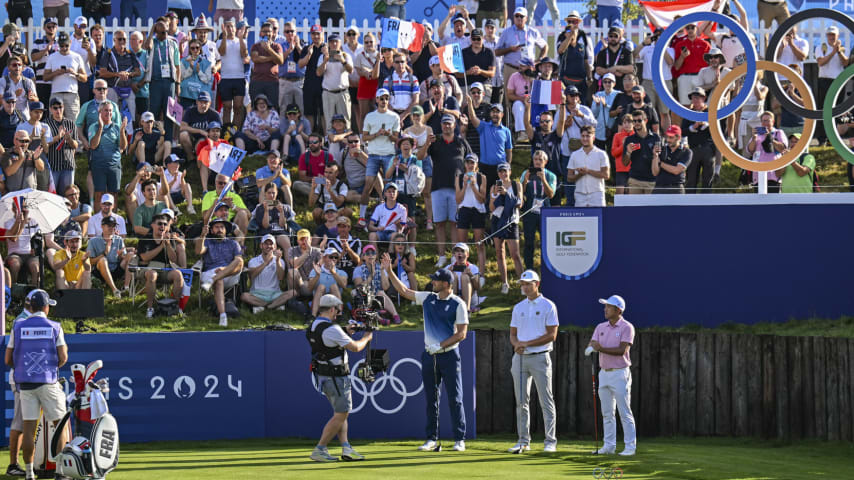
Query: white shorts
{"points": [[48, 397], [594, 199], [227, 282]]}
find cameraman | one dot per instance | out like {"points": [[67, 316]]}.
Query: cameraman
{"points": [[329, 345]]}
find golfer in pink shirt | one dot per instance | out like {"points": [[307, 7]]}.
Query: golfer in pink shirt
{"points": [[612, 339]]}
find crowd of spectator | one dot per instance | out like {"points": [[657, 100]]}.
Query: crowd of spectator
{"points": [[383, 142]]}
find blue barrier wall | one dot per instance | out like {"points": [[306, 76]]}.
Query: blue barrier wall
{"points": [[197, 386], [706, 265]]}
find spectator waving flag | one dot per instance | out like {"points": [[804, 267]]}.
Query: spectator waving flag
{"points": [[546, 92], [451, 58], [402, 34], [224, 159], [662, 14]]}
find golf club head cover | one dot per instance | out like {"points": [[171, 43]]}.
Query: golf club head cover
{"points": [[79, 371], [92, 369]]}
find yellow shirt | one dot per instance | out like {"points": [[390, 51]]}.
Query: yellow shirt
{"points": [[73, 269]]}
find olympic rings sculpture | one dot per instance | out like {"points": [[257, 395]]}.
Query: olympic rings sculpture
{"points": [[612, 473], [377, 387], [749, 69]]}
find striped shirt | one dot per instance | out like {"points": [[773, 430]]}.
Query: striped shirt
{"points": [[38, 65], [403, 90], [62, 159]]}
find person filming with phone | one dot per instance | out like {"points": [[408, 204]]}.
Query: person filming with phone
{"points": [[769, 143]]}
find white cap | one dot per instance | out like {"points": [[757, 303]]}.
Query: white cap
{"points": [[609, 76], [330, 251], [381, 92], [434, 60], [476, 85], [330, 300], [529, 276], [167, 211], [268, 237], [521, 10], [353, 28], [147, 117], [616, 301], [107, 198], [833, 29], [462, 246], [81, 20]]}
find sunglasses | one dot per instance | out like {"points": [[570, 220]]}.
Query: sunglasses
{"points": [[519, 16], [690, 27], [613, 36], [16, 64], [637, 121], [289, 31], [64, 45], [313, 142], [352, 142], [195, 48], [121, 39], [351, 34], [334, 257], [22, 141], [399, 61], [99, 89]]}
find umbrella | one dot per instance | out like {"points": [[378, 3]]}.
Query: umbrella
{"points": [[46, 209]]}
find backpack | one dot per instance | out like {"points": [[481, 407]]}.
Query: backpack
{"points": [[26, 83], [415, 180]]}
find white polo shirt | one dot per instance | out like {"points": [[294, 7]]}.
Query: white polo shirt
{"points": [[530, 319], [831, 69], [595, 160]]}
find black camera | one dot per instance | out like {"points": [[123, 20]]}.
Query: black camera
{"points": [[366, 307], [376, 361]]}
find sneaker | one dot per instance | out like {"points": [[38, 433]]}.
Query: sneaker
{"points": [[319, 455], [207, 287], [15, 470], [396, 320], [117, 294], [428, 446], [350, 455], [442, 261], [149, 313], [519, 448], [257, 310], [521, 137], [223, 320], [604, 451], [628, 452], [505, 289], [550, 447], [191, 210], [460, 446], [429, 225]]}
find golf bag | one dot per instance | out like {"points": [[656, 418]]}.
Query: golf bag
{"points": [[94, 451]]}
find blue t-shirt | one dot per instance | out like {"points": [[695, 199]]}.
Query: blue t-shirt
{"points": [[440, 316], [326, 278], [142, 56], [265, 172], [107, 153], [494, 142], [98, 246], [220, 253]]}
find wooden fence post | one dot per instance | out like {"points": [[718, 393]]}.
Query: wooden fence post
{"points": [[483, 382]]}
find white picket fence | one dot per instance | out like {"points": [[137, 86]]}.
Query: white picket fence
{"points": [[813, 30]]}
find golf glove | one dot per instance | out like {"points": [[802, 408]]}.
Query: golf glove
{"points": [[588, 351], [434, 348]]}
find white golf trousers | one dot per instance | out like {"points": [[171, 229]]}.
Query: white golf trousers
{"points": [[615, 390]]}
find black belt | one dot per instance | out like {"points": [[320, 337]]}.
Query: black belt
{"points": [[327, 370], [293, 79], [336, 91], [689, 74], [537, 353]]}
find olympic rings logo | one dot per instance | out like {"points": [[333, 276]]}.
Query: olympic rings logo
{"points": [[379, 385], [748, 70], [613, 472]]}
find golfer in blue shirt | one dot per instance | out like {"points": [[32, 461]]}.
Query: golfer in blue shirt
{"points": [[445, 326]]}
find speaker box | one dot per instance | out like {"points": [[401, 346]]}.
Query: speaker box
{"points": [[78, 303]]}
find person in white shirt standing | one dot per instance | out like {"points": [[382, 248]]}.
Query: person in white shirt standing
{"points": [[588, 167], [793, 51], [335, 66], [533, 330], [831, 59], [64, 69]]}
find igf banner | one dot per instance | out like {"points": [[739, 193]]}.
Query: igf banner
{"points": [[571, 241]]}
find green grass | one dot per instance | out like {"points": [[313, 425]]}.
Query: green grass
{"points": [[671, 458], [123, 316]]}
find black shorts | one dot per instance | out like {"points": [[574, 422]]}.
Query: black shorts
{"points": [[117, 273], [177, 197], [509, 233], [141, 105], [231, 87], [312, 100], [469, 218]]}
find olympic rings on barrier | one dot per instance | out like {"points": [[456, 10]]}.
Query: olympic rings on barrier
{"points": [[613, 473], [773, 81], [721, 142], [658, 56], [378, 386], [829, 124]]}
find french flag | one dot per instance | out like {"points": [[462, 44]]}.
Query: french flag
{"points": [[662, 14], [546, 92], [402, 34], [451, 58], [224, 159]]}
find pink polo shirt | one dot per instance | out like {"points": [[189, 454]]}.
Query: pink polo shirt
{"points": [[610, 336]]}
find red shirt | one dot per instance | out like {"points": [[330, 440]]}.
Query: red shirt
{"points": [[316, 164], [694, 62], [617, 151]]}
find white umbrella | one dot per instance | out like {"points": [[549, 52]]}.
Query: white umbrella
{"points": [[46, 209]]}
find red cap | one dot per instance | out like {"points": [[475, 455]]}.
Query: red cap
{"points": [[316, 28], [674, 130]]}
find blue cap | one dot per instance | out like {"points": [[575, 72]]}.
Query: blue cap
{"points": [[503, 166], [442, 276], [333, 36], [8, 95], [204, 96], [214, 124], [448, 119], [40, 299], [141, 165], [616, 301], [338, 116], [36, 106]]}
